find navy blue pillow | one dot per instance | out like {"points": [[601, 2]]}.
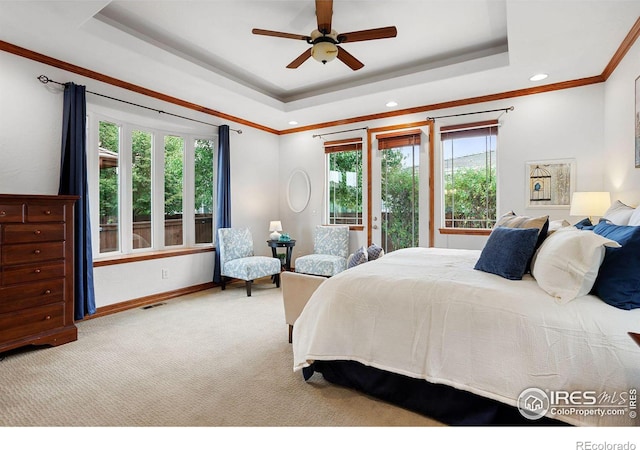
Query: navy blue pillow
{"points": [[584, 224], [618, 280], [508, 251]]}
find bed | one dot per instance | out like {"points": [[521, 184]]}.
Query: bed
{"points": [[422, 328]]}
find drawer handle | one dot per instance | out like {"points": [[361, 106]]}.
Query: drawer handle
{"points": [[37, 251], [3, 213], [47, 212], [47, 292], [47, 318], [37, 271], [37, 232]]}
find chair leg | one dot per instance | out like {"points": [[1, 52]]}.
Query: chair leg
{"points": [[277, 279], [248, 283], [290, 334], [222, 282]]}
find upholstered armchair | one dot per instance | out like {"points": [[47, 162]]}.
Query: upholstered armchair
{"points": [[330, 251], [238, 261]]}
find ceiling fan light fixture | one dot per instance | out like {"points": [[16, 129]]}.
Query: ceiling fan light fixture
{"points": [[324, 52]]}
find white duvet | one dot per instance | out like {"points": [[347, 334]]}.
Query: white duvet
{"points": [[426, 313]]}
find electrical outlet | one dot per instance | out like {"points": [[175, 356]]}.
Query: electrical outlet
{"points": [[165, 274]]}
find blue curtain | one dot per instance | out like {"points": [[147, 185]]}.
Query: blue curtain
{"points": [[73, 181], [223, 199]]}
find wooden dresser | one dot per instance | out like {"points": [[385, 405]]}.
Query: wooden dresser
{"points": [[36, 270]]}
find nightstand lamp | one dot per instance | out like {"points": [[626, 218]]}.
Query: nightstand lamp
{"points": [[590, 204], [275, 226]]}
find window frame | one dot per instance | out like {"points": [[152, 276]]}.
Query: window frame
{"points": [[466, 128], [344, 145], [127, 124]]}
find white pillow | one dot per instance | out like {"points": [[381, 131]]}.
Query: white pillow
{"points": [[566, 264], [619, 213], [634, 220], [555, 225]]}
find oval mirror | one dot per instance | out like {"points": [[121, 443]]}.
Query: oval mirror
{"points": [[298, 190]]}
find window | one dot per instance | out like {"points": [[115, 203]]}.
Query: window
{"points": [[155, 188], [399, 189], [173, 187], [469, 174], [203, 189], [108, 152], [141, 231], [344, 180]]}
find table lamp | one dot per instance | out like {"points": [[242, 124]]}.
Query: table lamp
{"points": [[275, 226], [590, 204]]}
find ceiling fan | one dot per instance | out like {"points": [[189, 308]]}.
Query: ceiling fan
{"points": [[325, 41]]}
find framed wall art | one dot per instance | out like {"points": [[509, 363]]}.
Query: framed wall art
{"points": [[550, 183]]}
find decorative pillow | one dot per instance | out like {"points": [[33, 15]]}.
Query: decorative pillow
{"points": [[634, 220], [584, 224], [511, 220], [619, 213], [359, 257], [566, 264], [618, 281], [374, 252], [555, 225], [508, 251]]}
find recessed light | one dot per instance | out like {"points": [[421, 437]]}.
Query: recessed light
{"points": [[391, 104], [293, 122], [538, 77]]}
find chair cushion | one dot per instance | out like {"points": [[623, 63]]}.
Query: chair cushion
{"points": [[251, 268], [331, 240], [325, 265]]}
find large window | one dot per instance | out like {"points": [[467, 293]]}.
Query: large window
{"points": [[344, 181], [399, 189], [469, 173], [203, 191], [155, 188]]}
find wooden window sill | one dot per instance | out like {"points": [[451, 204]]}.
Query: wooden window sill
{"points": [[145, 256], [466, 231]]}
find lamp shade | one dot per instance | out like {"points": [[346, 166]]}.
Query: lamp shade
{"points": [[591, 204], [275, 225]]}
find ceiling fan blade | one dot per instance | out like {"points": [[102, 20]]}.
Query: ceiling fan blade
{"points": [[349, 59], [280, 34], [324, 11], [300, 59], [368, 35]]}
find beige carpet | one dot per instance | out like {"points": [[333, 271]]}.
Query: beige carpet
{"points": [[211, 359]]}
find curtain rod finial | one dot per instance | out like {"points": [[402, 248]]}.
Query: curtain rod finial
{"points": [[43, 79]]}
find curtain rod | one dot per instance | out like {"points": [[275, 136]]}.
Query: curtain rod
{"points": [[511, 108], [336, 132], [44, 80]]}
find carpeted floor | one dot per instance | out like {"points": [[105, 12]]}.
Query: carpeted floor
{"points": [[211, 359]]}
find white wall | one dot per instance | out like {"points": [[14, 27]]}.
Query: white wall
{"points": [[30, 135], [622, 178], [554, 125]]}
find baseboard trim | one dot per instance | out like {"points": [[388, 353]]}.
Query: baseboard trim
{"points": [[148, 300]]}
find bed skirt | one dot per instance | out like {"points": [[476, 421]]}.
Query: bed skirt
{"points": [[441, 402]]}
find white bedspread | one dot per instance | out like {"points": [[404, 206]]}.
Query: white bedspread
{"points": [[426, 313]]}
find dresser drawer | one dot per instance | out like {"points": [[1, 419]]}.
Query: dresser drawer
{"points": [[32, 272], [11, 212], [31, 253], [45, 212], [22, 296], [31, 321], [15, 234]]}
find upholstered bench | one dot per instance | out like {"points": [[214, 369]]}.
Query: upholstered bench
{"points": [[297, 289]]}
